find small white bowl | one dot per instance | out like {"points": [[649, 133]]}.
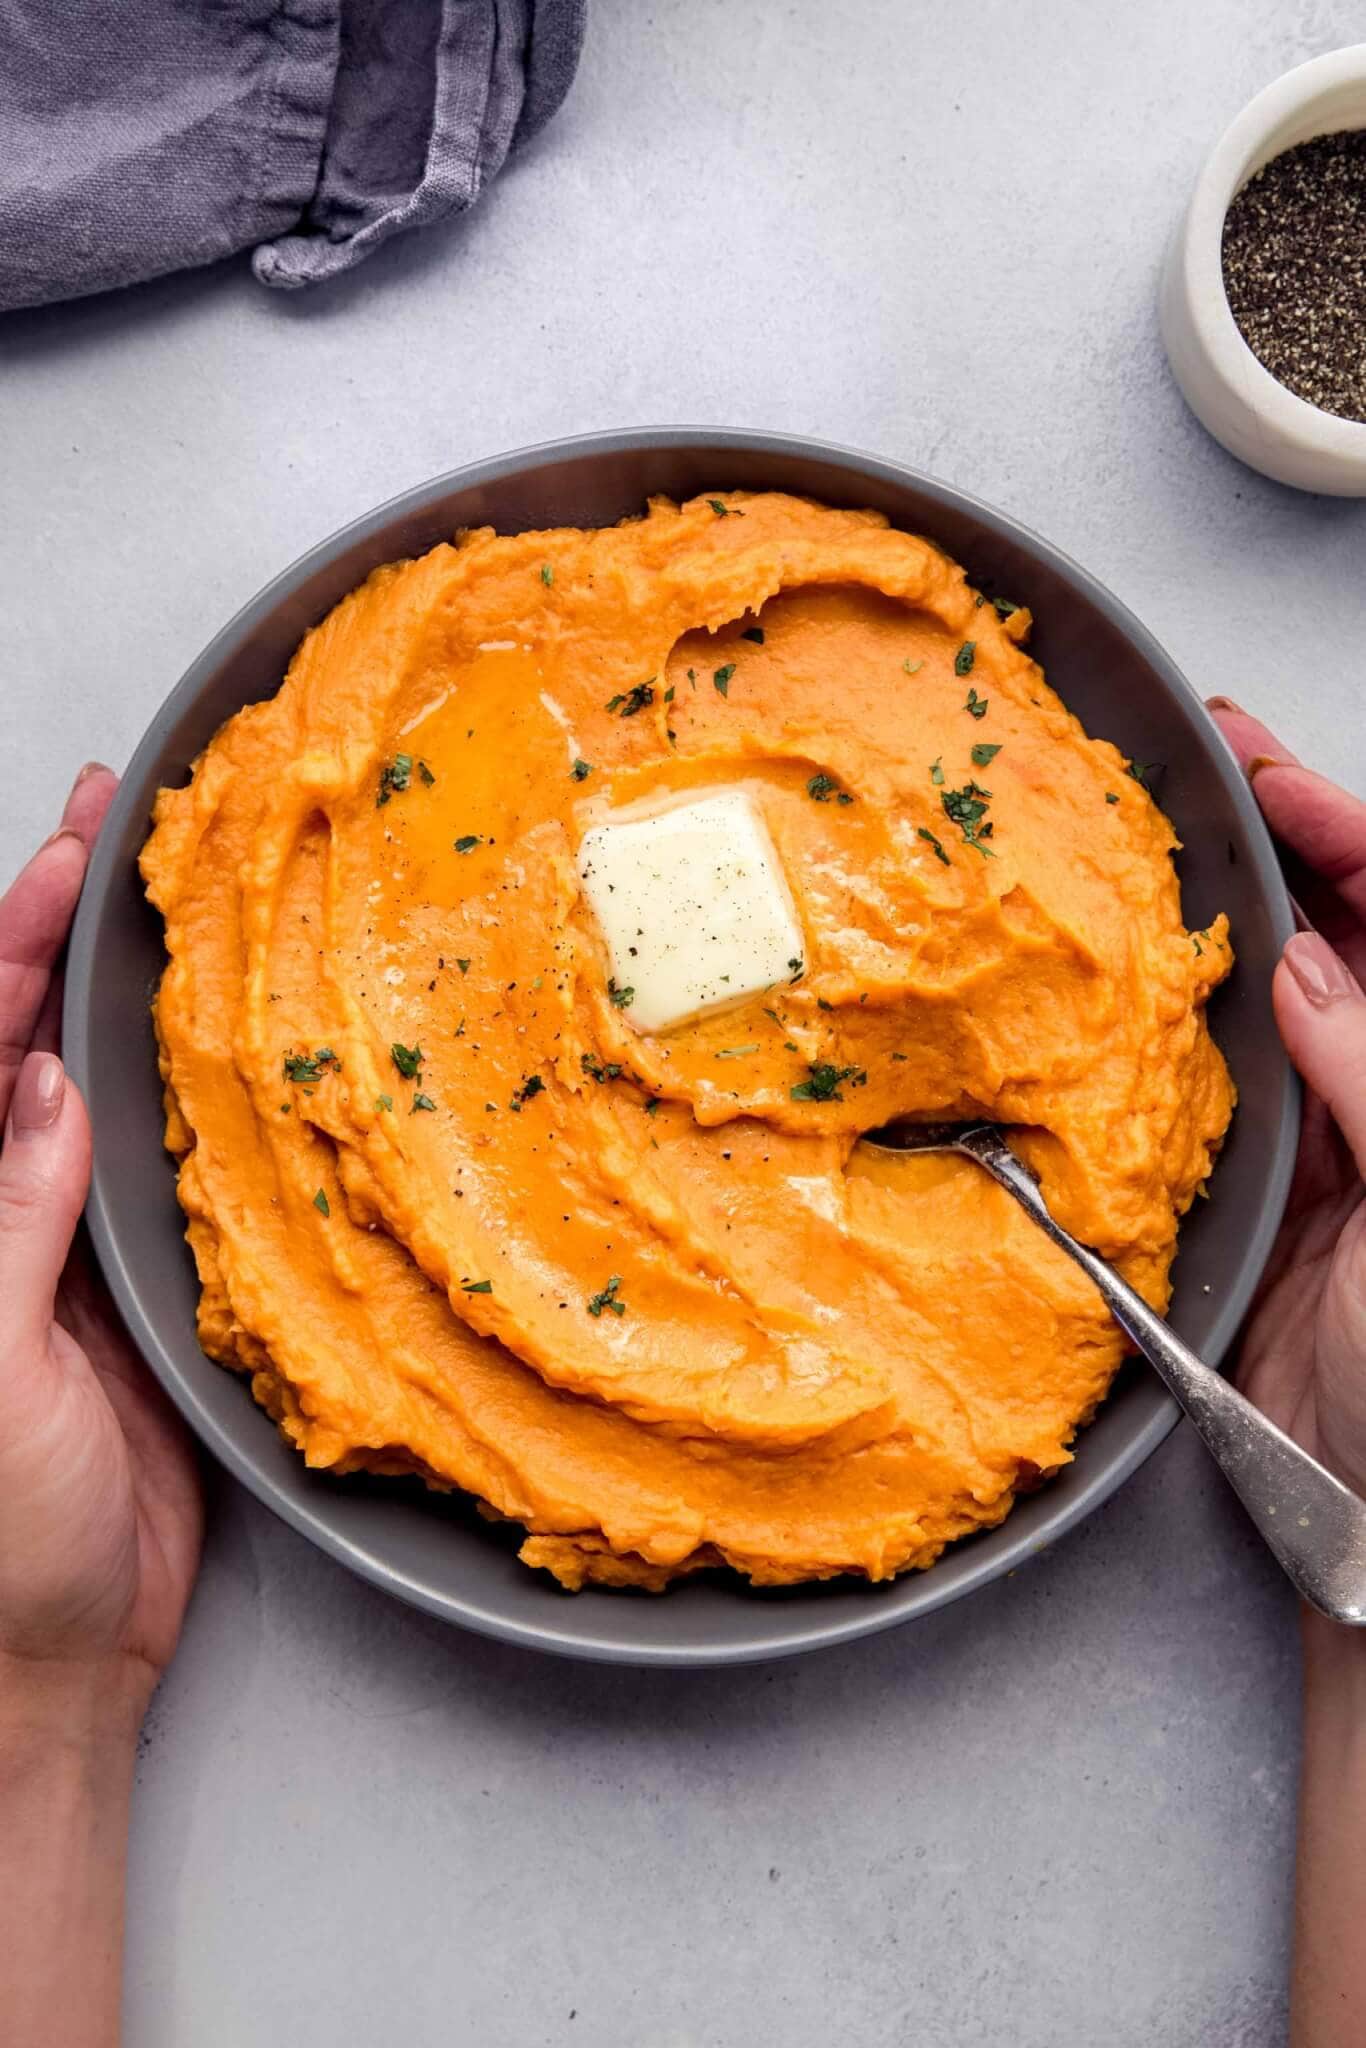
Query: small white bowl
{"points": [[1226, 387]]}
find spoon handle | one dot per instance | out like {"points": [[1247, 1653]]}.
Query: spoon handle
{"points": [[1314, 1525]]}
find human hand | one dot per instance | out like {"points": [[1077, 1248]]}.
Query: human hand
{"points": [[100, 1508], [1303, 1355]]}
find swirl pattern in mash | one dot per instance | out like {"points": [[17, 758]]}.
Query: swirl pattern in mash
{"points": [[647, 1295]]}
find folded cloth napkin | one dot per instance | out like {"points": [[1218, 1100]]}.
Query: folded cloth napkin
{"points": [[141, 136]]}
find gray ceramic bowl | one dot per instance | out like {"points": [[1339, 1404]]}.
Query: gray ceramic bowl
{"points": [[437, 1553]]}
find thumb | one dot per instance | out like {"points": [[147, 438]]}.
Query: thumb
{"points": [[44, 1174], [1321, 1012]]}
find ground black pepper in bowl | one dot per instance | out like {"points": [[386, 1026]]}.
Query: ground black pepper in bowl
{"points": [[1294, 258]]}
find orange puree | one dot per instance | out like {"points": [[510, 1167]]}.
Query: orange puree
{"points": [[648, 1296]]}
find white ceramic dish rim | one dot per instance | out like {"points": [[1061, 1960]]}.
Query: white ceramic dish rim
{"points": [[1320, 97]]}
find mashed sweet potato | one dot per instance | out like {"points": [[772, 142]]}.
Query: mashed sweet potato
{"points": [[647, 1295]]}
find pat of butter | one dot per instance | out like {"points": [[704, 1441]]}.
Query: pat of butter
{"points": [[693, 905]]}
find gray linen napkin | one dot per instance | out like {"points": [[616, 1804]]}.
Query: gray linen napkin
{"points": [[141, 136]]}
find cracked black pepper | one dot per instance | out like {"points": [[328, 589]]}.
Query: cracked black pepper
{"points": [[1294, 260]]}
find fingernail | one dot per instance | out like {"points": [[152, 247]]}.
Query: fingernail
{"points": [[1260, 761], [37, 1094], [92, 768], [1221, 704], [62, 832], [1322, 976]]}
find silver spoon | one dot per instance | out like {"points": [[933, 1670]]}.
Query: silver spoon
{"points": [[1314, 1526]]}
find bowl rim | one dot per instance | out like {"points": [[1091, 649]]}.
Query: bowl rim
{"points": [[1010, 1549], [1238, 154]]}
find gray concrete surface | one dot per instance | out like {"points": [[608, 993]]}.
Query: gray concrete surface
{"points": [[1060, 1815]]}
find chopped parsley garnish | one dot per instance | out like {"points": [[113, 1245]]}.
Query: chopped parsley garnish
{"points": [[477, 1286], [722, 678], [300, 1067], [976, 705], [912, 668], [937, 773], [463, 965], [394, 777], [735, 1052], [384, 1102], [1003, 607], [606, 1298], [581, 770], [1110, 797], [532, 1085], [1141, 770], [620, 997], [966, 808], [408, 1060], [965, 657], [628, 704], [467, 842], [939, 852], [598, 1070], [421, 1102], [754, 633], [321, 1203], [983, 754], [821, 1004], [823, 1082], [822, 787], [796, 969], [652, 1105], [547, 574], [1195, 941], [721, 511]]}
